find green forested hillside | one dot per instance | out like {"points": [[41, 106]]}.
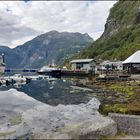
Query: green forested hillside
{"points": [[121, 36]]}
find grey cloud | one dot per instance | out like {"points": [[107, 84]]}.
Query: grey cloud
{"points": [[26, 20], [10, 28]]}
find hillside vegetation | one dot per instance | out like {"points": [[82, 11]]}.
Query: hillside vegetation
{"points": [[121, 36]]}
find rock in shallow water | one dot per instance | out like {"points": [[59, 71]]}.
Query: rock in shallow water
{"points": [[62, 121]]}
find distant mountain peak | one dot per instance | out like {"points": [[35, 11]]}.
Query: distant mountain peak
{"points": [[46, 47], [53, 32], [86, 34]]}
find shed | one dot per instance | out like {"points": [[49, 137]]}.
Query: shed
{"points": [[132, 63], [83, 64]]}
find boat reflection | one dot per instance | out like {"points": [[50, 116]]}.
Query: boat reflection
{"points": [[51, 90]]}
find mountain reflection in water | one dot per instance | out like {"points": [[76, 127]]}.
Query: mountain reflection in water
{"points": [[55, 91]]}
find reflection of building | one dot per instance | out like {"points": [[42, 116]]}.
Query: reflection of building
{"points": [[83, 64], [2, 64], [132, 63]]}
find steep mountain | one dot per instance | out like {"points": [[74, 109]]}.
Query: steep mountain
{"points": [[121, 36], [49, 47], [44, 49]]}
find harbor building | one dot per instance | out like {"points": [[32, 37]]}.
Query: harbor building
{"points": [[111, 65], [132, 63], [83, 64]]}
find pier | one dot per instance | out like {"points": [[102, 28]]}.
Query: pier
{"points": [[74, 73], [55, 73], [20, 71]]}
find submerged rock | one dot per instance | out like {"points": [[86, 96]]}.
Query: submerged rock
{"points": [[39, 120]]}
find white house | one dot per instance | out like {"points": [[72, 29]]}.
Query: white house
{"points": [[132, 63], [116, 65], [83, 64]]}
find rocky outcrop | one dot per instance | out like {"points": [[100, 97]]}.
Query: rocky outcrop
{"points": [[121, 33], [24, 117], [124, 14]]}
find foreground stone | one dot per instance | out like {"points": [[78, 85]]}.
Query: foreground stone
{"points": [[127, 123], [23, 117]]}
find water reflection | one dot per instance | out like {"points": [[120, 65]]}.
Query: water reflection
{"points": [[54, 91]]}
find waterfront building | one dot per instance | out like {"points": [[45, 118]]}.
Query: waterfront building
{"points": [[111, 65], [83, 64], [132, 63]]}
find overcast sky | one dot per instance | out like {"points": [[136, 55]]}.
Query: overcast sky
{"points": [[21, 21]]}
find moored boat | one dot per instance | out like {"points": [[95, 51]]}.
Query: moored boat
{"points": [[49, 71], [18, 78]]}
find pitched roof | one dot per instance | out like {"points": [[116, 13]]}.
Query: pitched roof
{"points": [[134, 58], [81, 60]]}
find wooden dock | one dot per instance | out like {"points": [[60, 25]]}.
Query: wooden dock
{"points": [[113, 77], [74, 73]]}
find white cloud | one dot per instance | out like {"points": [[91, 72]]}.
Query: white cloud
{"points": [[20, 21]]}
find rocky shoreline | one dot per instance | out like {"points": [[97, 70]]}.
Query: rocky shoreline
{"points": [[116, 96], [24, 117], [120, 101]]}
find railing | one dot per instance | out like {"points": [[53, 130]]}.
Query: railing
{"points": [[114, 72], [20, 70]]}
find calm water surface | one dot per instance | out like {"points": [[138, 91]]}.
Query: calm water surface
{"points": [[54, 92]]}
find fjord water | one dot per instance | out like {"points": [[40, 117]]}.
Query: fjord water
{"points": [[53, 92]]}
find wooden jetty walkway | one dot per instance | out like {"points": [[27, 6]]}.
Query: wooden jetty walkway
{"points": [[113, 75], [20, 70], [63, 72], [74, 73]]}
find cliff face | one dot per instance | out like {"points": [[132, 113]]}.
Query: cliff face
{"points": [[121, 36], [124, 14]]}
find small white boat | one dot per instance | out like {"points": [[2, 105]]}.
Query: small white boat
{"points": [[47, 68], [102, 76], [18, 78], [32, 77], [19, 85]]}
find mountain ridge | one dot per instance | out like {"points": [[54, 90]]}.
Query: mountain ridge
{"points": [[45, 48]]}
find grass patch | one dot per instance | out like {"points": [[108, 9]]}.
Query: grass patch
{"points": [[119, 134], [115, 108], [17, 119], [128, 90], [125, 98]]}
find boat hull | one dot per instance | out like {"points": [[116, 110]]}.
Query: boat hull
{"points": [[54, 73]]}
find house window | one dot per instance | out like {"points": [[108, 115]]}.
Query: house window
{"points": [[79, 65]]}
